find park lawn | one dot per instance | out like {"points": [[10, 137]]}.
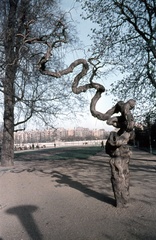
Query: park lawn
{"points": [[63, 153]]}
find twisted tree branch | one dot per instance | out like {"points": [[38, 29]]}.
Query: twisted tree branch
{"points": [[116, 145], [124, 121]]}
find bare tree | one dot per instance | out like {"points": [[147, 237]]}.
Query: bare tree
{"points": [[26, 92], [126, 40]]}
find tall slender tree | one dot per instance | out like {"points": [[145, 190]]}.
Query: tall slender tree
{"points": [[11, 55], [24, 91]]}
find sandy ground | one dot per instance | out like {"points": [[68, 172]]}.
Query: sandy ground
{"points": [[73, 200]]}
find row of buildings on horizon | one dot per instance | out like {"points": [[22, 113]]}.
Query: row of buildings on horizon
{"points": [[59, 134]]}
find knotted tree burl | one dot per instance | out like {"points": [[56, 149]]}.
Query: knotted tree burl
{"points": [[117, 143], [119, 151]]}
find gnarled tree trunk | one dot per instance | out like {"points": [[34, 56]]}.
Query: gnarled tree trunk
{"points": [[119, 151], [116, 145], [119, 163]]}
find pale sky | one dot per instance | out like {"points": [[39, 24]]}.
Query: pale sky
{"points": [[84, 28]]}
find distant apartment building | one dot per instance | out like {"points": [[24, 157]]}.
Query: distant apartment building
{"points": [[70, 132], [99, 133], [60, 134], [81, 132]]}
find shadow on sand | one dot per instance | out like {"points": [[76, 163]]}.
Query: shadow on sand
{"points": [[25, 214], [67, 180]]}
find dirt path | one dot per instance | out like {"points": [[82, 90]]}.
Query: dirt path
{"points": [[73, 200]]}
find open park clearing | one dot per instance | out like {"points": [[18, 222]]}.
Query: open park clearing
{"points": [[66, 194]]}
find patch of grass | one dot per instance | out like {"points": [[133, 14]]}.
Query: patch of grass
{"points": [[58, 153], [79, 153]]}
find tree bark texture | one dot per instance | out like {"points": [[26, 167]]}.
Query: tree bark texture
{"points": [[119, 163], [7, 154], [11, 46], [119, 151], [117, 144]]}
